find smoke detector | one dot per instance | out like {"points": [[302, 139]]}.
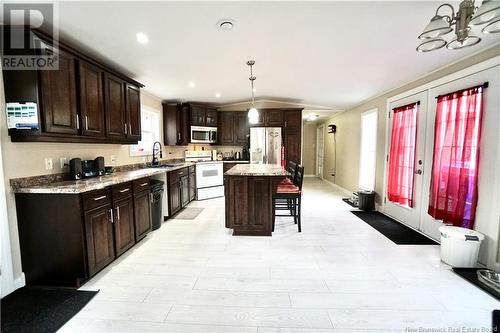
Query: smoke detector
{"points": [[225, 24]]}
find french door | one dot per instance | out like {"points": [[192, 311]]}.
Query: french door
{"points": [[417, 216], [410, 214]]}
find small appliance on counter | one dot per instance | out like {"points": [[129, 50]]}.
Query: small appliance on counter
{"points": [[79, 169]]}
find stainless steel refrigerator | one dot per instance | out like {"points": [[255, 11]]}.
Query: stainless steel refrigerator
{"points": [[265, 145]]}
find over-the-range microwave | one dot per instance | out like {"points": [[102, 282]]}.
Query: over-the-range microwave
{"points": [[203, 134]]}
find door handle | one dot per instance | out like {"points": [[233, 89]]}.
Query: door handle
{"points": [[418, 172]]}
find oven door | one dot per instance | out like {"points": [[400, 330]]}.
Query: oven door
{"points": [[201, 134], [209, 174]]}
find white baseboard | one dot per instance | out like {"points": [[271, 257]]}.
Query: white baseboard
{"points": [[339, 188], [310, 176], [20, 281]]}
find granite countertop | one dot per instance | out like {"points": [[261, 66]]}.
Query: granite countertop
{"points": [[96, 183], [257, 170]]}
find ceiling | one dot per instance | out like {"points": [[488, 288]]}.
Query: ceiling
{"points": [[321, 54]]}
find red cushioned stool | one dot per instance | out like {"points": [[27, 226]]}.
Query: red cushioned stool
{"points": [[288, 198]]}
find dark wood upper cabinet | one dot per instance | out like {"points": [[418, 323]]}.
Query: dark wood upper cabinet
{"points": [[58, 96], [116, 113], [175, 124], [226, 128], [274, 117], [99, 238], [261, 120], [83, 101], [133, 99], [241, 129], [91, 100], [292, 144], [293, 119], [197, 115], [211, 117]]}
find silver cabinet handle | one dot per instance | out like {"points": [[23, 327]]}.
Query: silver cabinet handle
{"points": [[77, 122], [144, 184], [285, 123], [151, 197], [179, 136], [100, 198], [86, 123], [125, 128], [124, 190], [111, 216], [118, 213], [129, 128]]}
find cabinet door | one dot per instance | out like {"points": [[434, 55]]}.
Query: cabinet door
{"points": [[142, 214], [226, 128], [211, 117], [236, 194], [274, 118], [114, 100], [174, 196], [124, 224], [292, 146], [197, 115], [99, 236], [183, 128], [185, 196], [58, 91], [192, 185], [293, 119], [259, 204], [133, 106], [171, 135], [241, 130], [91, 100]]}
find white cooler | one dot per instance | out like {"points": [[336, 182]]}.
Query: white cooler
{"points": [[460, 246]]}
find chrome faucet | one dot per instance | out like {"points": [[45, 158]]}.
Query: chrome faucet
{"points": [[155, 160]]}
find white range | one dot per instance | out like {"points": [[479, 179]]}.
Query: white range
{"points": [[209, 174]]}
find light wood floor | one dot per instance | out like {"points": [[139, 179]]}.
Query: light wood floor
{"points": [[338, 275]]}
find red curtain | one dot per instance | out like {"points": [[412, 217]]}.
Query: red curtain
{"points": [[402, 155], [453, 192]]}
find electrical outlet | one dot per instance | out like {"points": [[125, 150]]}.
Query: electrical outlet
{"points": [[63, 161], [48, 163]]}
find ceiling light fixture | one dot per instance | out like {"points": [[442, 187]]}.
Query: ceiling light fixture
{"points": [[312, 117], [218, 95], [461, 21], [142, 38], [253, 113], [192, 84], [225, 24]]}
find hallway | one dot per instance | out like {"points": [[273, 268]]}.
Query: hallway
{"points": [[338, 275]]}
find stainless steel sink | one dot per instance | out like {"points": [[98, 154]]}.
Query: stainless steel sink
{"points": [[489, 278]]}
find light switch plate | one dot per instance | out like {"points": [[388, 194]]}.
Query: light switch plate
{"points": [[48, 163], [63, 161]]}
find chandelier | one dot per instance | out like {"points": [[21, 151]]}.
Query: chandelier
{"points": [[468, 15]]}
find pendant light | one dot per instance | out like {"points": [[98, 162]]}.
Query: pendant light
{"points": [[253, 113]]}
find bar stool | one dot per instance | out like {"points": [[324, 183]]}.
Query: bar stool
{"points": [[288, 197]]}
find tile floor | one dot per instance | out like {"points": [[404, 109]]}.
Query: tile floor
{"points": [[338, 275]]}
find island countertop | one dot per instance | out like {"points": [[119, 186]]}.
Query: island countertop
{"points": [[257, 170]]}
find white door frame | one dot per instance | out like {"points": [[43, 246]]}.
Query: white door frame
{"points": [[318, 129]]}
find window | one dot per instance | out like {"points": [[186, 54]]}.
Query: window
{"points": [[150, 127], [368, 150]]}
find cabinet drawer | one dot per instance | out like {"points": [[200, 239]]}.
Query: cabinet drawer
{"points": [[96, 198], [121, 190], [140, 185]]}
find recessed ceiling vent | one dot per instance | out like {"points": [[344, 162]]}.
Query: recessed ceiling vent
{"points": [[225, 24]]}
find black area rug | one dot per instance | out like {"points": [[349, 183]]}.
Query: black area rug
{"points": [[470, 274], [392, 229], [38, 309]]}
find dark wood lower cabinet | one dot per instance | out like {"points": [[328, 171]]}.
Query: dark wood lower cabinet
{"points": [[181, 188], [123, 211], [185, 197], [142, 209], [67, 238], [192, 183], [99, 237], [248, 204]]}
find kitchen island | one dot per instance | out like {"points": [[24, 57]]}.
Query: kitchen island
{"points": [[248, 193]]}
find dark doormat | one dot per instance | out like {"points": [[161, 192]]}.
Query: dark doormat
{"points": [[392, 229], [39, 309], [349, 202], [470, 274]]}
